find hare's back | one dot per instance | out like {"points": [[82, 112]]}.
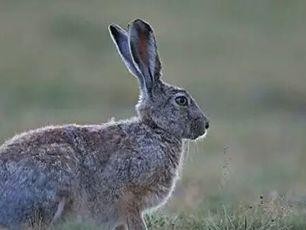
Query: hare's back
{"points": [[52, 145], [45, 151]]}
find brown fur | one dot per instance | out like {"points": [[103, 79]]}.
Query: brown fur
{"points": [[110, 173]]}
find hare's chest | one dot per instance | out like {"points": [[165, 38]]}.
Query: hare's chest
{"points": [[159, 193], [160, 187], [155, 171]]}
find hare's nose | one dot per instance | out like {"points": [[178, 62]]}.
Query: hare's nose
{"points": [[207, 125]]}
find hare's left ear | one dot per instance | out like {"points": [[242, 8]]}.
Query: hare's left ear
{"points": [[120, 38], [144, 53]]}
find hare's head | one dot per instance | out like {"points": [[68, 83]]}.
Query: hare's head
{"points": [[160, 104]]}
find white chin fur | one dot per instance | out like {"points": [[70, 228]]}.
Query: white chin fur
{"points": [[202, 136]]}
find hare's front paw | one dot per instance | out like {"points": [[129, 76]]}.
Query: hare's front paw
{"points": [[136, 222], [121, 227]]}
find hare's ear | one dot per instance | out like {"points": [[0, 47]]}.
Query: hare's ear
{"points": [[144, 53], [120, 38]]}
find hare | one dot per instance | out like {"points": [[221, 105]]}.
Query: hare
{"points": [[109, 173]]}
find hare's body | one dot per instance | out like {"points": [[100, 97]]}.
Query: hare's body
{"points": [[99, 170], [109, 173]]}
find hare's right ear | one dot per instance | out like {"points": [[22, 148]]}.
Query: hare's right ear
{"points": [[120, 38], [144, 54]]}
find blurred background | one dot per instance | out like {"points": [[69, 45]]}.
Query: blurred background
{"points": [[244, 62]]}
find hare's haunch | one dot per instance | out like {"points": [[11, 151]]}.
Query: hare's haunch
{"points": [[109, 173]]}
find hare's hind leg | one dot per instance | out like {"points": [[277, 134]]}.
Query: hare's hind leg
{"points": [[59, 211]]}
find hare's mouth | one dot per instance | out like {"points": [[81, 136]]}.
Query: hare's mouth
{"points": [[198, 130], [201, 136]]}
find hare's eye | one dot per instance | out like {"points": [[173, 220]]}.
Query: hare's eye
{"points": [[181, 100]]}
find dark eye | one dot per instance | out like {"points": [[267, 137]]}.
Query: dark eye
{"points": [[181, 100]]}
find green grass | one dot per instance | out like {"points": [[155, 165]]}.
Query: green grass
{"points": [[271, 212], [262, 216], [228, 220]]}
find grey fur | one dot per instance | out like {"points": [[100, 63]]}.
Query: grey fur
{"points": [[110, 173]]}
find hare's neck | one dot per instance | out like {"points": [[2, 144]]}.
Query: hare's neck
{"points": [[167, 136], [173, 145]]}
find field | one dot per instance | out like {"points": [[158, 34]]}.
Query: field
{"points": [[242, 60]]}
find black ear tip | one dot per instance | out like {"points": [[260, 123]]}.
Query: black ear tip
{"points": [[112, 29], [141, 24], [138, 20]]}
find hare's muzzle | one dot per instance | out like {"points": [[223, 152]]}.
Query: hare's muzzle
{"points": [[206, 124], [199, 127]]}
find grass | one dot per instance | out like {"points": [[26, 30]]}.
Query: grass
{"points": [[265, 215], [273, 212], [227, 219]]}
